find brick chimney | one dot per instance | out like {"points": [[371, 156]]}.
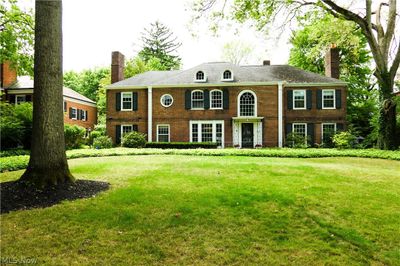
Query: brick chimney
{"points": [[266, 62], [8, 75], [117, 66], [332, 62]]}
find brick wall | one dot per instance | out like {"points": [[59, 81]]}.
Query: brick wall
{"points": [[91, 111], [8, 74]]}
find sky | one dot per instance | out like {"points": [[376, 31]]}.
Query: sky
{"points": [[92, 29]]}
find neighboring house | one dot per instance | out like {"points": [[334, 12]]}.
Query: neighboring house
{"points": [[78, 109], [240, 106]]}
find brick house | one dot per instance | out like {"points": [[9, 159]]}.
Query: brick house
{"points": [[78, 109], [240, 106]]}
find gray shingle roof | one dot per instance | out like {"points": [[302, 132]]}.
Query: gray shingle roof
{"points": [[25, 82], [214, 70]]}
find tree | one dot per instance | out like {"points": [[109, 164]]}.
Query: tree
{"points": [[237, 52], [48, 163], [378, 26], [309, 44], [159, 42], [16, 36]]}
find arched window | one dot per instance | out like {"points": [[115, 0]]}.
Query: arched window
{"points": [[197, 99], [200, 76], [247, 104], [216, 99], [227, 75]]}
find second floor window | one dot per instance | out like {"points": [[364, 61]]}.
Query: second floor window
{"points": [[247, 104], [299, 99], [197, 99], [216, 99], [328, 99], [126, 100]]}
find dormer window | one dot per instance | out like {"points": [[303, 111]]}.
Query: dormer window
{"points": [[227, 75], [200, 77]]}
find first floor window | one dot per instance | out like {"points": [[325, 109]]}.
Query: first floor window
{"points": [[126, 101], [83, 115], [328, 130], [328, 99], [125, 129], [216, 99], [74, 113], [20, 99], [162, 133], [207, 131], [299, 99], [300, 129]]}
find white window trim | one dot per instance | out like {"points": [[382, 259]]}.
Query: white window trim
{"points": [[23, 96], [322, 130], [200, 80], [167, 94], [122, 129], [305, 101], [238, 103], [76, 113], [222, 100], [84, 115], [191, 100], [122, 101], [169, 131], [334, 99], [214, 130], [305, 130], [222, 76]]}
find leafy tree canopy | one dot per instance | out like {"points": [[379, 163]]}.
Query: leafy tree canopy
{"points": [[16, 36], [159, 42]]}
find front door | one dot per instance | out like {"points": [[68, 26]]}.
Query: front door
{"points": [[247, 135]]}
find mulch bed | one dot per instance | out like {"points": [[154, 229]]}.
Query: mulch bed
{"points": [[16, 195]]}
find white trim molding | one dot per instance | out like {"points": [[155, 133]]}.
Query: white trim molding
{"points": [[304, 99], [334, 99], [222, 99], [122, 100], [214, 130], [255, 102], [169, 131]]}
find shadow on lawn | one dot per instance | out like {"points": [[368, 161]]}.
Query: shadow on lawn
{"points": [[16, 195]]}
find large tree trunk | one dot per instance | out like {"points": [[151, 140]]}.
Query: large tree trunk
{"points": [[387, 113], [48, 163]]}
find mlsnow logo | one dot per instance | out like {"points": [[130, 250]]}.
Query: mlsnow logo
{"points": [[20, 260]]}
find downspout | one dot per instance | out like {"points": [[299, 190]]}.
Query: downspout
{"points": [[149, 114], [280, 114]]}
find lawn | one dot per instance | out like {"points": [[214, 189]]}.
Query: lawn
{"points": [[175, 209]]}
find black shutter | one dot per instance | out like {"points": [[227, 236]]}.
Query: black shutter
{"points": [[86, 115], [11, 98], [70, 113], [309, 99], [118, 101], [290, 99], [188, 99], [339, 127], [338, 98], [135, 101], [310, 132], [118, 134], [28, 98], [288, 128], [319, 99], [206, 94], [226, 99], [135, 128]]}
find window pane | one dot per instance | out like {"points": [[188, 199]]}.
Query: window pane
{"points": [[216, 99], [219, 134], [247, 104], [299, 99], [206, 132], [166, 100], [197, 99], [126, 129], [299, 129], [328, 98], [195, 131], [200, 75], [163, 133], [227, 75]]}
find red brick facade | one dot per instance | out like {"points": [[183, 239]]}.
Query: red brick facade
{"points": [[88, 120], [178, 117]]}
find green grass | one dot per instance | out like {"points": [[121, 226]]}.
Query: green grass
{"points": [[207, 210], [12, 163]]}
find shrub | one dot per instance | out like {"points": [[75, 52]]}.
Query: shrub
{"points": [[344, 140], [74, 136], [93, 135], [14, 152], [102, 142], [295, 140], [182, 145], [100, 128], [133, 140]]}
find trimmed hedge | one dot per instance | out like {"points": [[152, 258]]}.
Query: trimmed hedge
{"points": [[20, 162], [181, 145], [14, 152]]}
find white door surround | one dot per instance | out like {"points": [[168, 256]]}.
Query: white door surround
{"points": [[237, 130]]}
